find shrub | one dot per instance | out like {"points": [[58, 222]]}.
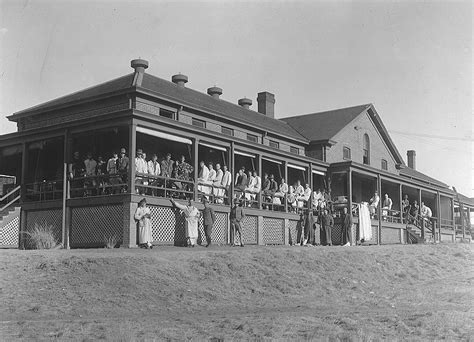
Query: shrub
{"points": [[42, 237], [110, 241]]}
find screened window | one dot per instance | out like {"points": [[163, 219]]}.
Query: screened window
{"points": [[294, 150], [366, 150], [227, 131], [384, 164], [274, 144], [346, 153], [252, 137], [167, 114], [199, 123]]}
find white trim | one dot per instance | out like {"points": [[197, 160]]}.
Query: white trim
{"points": [[244, 154], [213, 146], [163, 135], [272, 160], [296, 167], [319, 172]]}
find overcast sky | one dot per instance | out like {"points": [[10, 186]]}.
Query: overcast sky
{"points": [[413, 61]]}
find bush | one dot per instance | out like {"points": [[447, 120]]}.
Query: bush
{"points": [[42, 237], [110, 241]]}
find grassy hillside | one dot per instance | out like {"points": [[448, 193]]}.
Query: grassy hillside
{"points": [[416, 292]]}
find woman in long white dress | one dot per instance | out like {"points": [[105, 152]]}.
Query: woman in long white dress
{"points": [[143, 218], [191, 214]]}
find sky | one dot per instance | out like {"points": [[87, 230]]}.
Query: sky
{"points": [[412, 60]]}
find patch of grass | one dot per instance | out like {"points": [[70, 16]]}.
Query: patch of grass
{"points": [[42, 237], [110, 241]]}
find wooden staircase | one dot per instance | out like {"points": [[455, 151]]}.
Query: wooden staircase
{"points": [[414, 233], [10, 219]]}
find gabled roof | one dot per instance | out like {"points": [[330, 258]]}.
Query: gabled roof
{"points": [[410, 173], [224, 108], [324, 126], [121, 83]]}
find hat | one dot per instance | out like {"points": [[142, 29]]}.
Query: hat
{"points": [[139, 151], [122, 150]]}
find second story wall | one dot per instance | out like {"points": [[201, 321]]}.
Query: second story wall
{"points": [[352, 137]]}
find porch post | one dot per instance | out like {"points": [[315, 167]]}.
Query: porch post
{"points": [[438, 204], [285, 172], [379, 209], [259, 195], [132, 145], [310, 182], [65, 230], [400, 197], [349, 200], [196, 167], [453, 219], [23, 217], [232, 173], [419, 216]]}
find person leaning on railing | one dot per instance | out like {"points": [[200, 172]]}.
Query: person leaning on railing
{"points": [[386, 207]]}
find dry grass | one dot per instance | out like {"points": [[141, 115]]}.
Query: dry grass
{"points": [[42, 237], [110, 241], [416, 292]]}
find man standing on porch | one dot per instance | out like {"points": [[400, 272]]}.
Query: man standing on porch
{"points": [[191, 214], [346, 228]]}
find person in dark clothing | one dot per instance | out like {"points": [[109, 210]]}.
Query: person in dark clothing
{"points": [[346, 228], [209, 217], [236, 216], [308, 230], [327, 223]]}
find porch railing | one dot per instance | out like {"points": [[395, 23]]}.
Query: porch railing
{"points": [[44, 191]]}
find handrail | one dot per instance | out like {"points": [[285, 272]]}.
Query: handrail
{"points": [[10, 193], [9, 203]]}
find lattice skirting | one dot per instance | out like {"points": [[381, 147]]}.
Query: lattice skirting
{"points": [[92, 226], [249, 228], [51, 218], [375, 233], [447, 238], [9, 233], [390, 235], [168, 227], [273, 231]]}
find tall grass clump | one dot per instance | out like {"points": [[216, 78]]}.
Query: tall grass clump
{"points": [[42, 237], [110, 241]]}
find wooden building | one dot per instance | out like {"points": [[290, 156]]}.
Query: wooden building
{"points": [[348, 152]]}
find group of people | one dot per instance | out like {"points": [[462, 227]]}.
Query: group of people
{"points": [[316, 229], [214, 182], [410, 211]]}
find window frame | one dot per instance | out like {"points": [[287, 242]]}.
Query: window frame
{"points": [[275, 144], [167, 111], [366, 150], [383, 163], [194, 120], [348, 149], [230, 130], [294, 150], [251, 137]]}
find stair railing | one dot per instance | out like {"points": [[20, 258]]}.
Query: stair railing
{"points": [[15, 193]]}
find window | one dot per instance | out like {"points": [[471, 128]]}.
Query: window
{"points": [[167, 114], [199, 123], [294, 150], [346, 153], [227, 131], [252, 137], [366, 150], [384, 164], [274, 144]]}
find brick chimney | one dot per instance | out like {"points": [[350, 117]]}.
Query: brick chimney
{"points": [[179, 79], [245, 102], [215, 92], [411, 154], [139, 65], [266, 103]]}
